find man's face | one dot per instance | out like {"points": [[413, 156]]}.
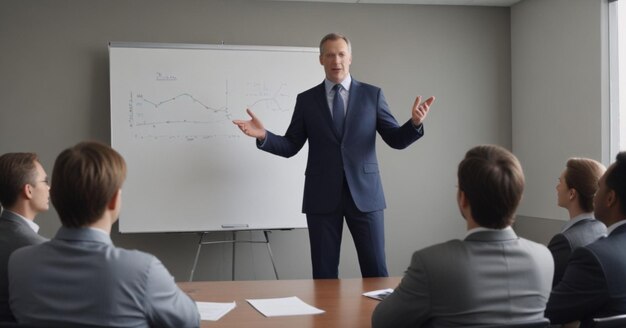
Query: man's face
{"points": [[40, 189], [562, 191], [601, 209], [336, 59]]}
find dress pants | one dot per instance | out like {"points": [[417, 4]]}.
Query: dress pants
{"points": [[367, 230]]}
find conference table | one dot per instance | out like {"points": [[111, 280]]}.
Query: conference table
{"points": [[342, 300]]}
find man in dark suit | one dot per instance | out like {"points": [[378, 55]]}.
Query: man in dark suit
{"points": [[340, 118], [490, 277], [593, 284], [24, 193]]}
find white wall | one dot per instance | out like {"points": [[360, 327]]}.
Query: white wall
{"points": [[54, 92], [559, 93]]}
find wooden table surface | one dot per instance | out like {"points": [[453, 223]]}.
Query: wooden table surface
{"points": [[342, 300]]}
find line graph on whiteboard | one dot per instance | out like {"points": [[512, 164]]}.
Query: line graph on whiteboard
{"points": [[172, 113]]}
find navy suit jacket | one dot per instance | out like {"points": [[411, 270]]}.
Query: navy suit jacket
{"points": [[594, 283], [354, 155]]}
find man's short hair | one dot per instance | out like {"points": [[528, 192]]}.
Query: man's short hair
{"points": [[616, 179], [85, 178], [333, 37], [582, 174], [493, 182], [16, 170]]}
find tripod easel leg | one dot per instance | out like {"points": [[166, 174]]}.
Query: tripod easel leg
{"points": [[233, 264], [269, 250], [195, 261], [233, 241]]}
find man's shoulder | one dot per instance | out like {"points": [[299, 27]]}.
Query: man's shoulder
{"points": [[586, 227], [534, 247], [132, 257], [18, 235], [437, 250], [126, 258], [607, 246], [26, 253], [365, 86], [315, 90], [585, 232], [135, 265]]}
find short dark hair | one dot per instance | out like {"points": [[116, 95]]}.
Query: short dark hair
{"points": [[493, 182], [16, 170], [616, 179], [582, 174], [333, 37], [85, 178]]}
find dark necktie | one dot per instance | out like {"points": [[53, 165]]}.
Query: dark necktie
{"points": [[338, 110]]}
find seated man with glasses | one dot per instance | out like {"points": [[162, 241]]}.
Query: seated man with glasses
{"points": [[24, 193]]}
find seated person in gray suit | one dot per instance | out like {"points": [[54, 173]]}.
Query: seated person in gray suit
{"points": [[24, 193], [577, 185], [594, 282], [490, 277], [79, 277]]}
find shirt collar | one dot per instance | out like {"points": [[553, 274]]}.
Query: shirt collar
{"points": [[83, 234], [478, 229], [576, 219], [30, 223], [345, 84], [99, 230], [614, 226]]}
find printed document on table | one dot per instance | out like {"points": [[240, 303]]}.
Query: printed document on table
{"points": [[214, 311], [379, 294], [274, 307]]}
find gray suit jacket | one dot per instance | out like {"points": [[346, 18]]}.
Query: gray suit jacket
{"points": [[491, 277], [14, 234], [80, 278], [562, 245]]}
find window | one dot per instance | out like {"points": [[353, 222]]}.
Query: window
{"points": [[617, 75]]}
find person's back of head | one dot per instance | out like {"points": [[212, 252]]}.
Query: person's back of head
{"points": [[582, 175], [86, 177], [16, 170], [492, 180], [23, 184]]}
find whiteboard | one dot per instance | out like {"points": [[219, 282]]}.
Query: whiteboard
{"points": [[189, 166]]}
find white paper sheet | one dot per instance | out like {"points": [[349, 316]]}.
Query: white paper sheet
{"points": [[214, 311], [379, 294], [274, 307]]}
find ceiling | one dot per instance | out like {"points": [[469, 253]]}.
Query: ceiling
{"points": [[497, 3]]}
